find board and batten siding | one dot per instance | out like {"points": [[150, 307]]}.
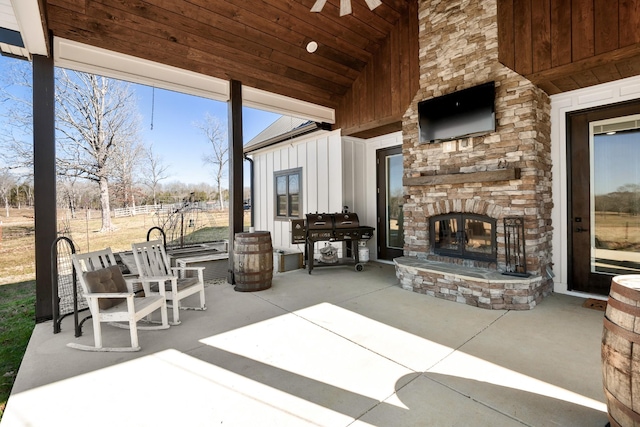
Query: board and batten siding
{"points": [[354, 175], [360, 179], [336, 172], [320, 156]]}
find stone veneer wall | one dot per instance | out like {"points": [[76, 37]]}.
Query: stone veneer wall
{"points": [[458, 50]]}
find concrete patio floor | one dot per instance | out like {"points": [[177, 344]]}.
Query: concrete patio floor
{"points": [[335, 348]]}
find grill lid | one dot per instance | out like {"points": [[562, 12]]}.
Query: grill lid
{"points": [[320, 221], [346, 220], [332, 221]]}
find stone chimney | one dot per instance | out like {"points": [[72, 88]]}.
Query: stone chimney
{"points": [[458, 50]]}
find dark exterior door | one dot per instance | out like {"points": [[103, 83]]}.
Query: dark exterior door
{"points": [[604, 195], [390, 196]]}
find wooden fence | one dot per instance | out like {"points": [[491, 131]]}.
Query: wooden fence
{"points": [[161, 209], [146, 209]]}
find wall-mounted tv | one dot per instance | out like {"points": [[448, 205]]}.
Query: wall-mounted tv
{"points": [[463, 114]]}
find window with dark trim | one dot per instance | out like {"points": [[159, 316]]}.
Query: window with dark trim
{"points": [[288, 193]]}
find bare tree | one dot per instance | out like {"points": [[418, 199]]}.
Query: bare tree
{"points": [[95, 116], [216, 135], [154, 171], [75, 194], [16, 191], [176, 191], [127, 158], [28, 189], [7, 181], [68, 193]]}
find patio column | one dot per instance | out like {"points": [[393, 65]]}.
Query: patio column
{"points": [[44, 176], [236, 184]]}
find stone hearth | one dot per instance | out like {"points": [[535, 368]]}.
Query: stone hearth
{"points": [[479, 287]]}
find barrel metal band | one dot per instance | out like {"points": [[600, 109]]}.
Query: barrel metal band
{"points": [[624, 307], [622, 407], [254, 273], [613, 422], [621, 332], [625, 291]]}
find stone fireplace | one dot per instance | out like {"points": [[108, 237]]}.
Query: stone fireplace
{"points": [[463, 189]]}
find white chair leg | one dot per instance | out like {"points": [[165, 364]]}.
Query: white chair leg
{"points": [[176, 312], [201, 280], [175, 302], [164, 315], [202, 305], [97, 331], [133, 330], [134, 334]]}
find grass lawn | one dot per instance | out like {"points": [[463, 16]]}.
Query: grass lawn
{"points": [[17, 238], [618, 231], [17, 319]]}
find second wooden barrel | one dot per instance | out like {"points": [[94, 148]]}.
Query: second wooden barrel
{"points": [[621, 351], [253, 261]]}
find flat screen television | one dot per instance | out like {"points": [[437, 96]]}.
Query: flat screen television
{"points": [[462, 114]]}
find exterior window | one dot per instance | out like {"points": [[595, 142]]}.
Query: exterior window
{"points": [[288, 193]]}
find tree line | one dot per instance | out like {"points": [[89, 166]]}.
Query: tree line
{"points": [[18, 192], [100, 157], [626, 199]]}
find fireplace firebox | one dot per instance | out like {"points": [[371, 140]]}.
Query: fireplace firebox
{"points": [[464, 235]]}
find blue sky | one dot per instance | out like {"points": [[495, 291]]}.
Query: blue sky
{"points": [[617, 161], [174, 136]]}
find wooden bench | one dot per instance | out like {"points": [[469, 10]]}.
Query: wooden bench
{"points": [[216, 264]]}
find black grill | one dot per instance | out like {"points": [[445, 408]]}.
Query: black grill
{"points": [[332, 227]]}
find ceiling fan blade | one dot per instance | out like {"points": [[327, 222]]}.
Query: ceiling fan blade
{"points": [[317, 7], [345, 7], [373, 3]]}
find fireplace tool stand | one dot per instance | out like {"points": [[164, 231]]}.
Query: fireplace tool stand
{"points": [[515, 255]]}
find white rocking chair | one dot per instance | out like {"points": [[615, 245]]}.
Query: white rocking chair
{"points": [[111, 299], [157, 274]]}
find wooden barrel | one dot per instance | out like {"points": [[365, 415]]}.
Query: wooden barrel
{"points": [[621, 351], [253, 261]]}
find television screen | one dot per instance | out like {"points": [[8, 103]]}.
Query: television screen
{"points": [[466, 113]]}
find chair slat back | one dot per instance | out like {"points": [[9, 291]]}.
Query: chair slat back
{"points": [[151, 258], [92, 261]]}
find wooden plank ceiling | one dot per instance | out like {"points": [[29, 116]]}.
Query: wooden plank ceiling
{"points": [[561, 45], [260, 43]]}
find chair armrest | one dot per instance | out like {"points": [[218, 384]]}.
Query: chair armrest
{"points": [[187, 268], [147, 280], [183, 271], [155, 278], [110, 295]]}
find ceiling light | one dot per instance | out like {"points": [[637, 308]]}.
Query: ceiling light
{"points": [[345, 6], [312, 47]]}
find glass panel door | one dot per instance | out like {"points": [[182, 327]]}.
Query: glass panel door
{"points": [[394, 197], [615, 196], [602, 161], [390, 200]]}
